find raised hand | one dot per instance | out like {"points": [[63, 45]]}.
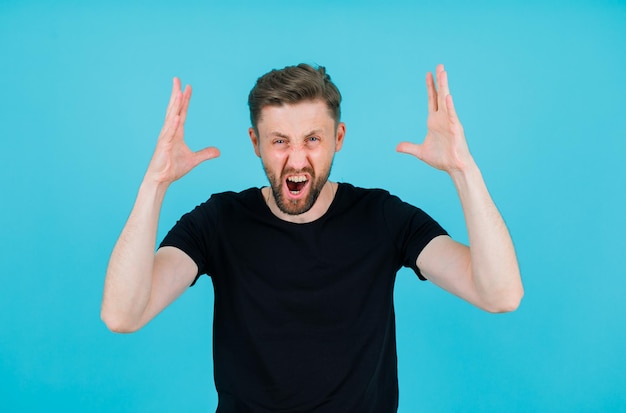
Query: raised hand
{"points": [[172, 157], [444, 147]]}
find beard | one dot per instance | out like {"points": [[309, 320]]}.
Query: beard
{"points": [[297, 206]]}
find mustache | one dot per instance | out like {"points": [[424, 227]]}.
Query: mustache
{"points": [[292, 171]]}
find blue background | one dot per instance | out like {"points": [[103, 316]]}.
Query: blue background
{"points": [[541, 92]]}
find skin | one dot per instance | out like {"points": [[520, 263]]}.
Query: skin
{"points": [[298, 140], [487, 273], [301, 140]]}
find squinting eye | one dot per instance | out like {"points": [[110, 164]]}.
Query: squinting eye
{"points": [[314, 139]]}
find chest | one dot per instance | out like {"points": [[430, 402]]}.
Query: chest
{"points": [[326, 276]]}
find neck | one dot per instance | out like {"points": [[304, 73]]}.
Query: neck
{"points": [[326, 197]]}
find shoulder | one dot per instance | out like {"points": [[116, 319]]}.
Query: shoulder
{"points": [[230, 199], [358, 193], [371, 197], [246, 196], [223, 204], [378, 202], [371, 204]]}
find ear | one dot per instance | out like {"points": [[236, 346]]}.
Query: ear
{"points": [[255, 141], [341, 132]]}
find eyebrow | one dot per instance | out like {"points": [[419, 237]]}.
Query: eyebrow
{"points": [[282, 135]]}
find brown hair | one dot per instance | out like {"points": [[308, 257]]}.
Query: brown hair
{"points": [[294, 84]]}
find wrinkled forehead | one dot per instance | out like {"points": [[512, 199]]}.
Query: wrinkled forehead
{"points": [[294, 116]]}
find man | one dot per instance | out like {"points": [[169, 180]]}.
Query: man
{"points": [[303, 270]]}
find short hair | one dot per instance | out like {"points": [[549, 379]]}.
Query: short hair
{"points": [[294, 84]]}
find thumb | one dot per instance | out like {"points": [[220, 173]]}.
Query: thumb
{"points": [[205, 154], [410, 148]]}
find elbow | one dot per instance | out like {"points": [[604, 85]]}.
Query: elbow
{"points": [[505, 303], [505, 307], [117, 324]]}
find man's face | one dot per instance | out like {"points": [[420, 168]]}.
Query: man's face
{"points": [[297, 144]]}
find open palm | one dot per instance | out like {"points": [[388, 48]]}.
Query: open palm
{"points": [[444, 147], [172, 157]]}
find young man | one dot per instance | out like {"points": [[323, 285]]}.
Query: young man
{"points": [[304, 269]]}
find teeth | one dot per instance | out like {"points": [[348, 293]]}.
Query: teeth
{"points": [[299, 178]]}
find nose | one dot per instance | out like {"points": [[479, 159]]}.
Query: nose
{"points": [[297, 158]]}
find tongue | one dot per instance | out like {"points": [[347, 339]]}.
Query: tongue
{"points": [[295, 186]]}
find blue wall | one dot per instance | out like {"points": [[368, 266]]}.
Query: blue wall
{"points": [[540, 88]]}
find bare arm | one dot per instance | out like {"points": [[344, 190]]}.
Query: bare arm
{"points": [[139, 284], [486, 273]]}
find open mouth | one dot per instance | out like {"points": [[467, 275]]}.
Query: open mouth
{"points": [[296, 183]]}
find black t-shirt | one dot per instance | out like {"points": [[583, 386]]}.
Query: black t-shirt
{"points": [[304, 318]]}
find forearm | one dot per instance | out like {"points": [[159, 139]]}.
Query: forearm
{"points": [[128, 281], [494, 268]]}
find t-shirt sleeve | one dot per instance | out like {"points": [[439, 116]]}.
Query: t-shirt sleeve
{"points": [[412, 230], [191, 234]]}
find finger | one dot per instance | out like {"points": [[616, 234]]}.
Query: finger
{"points": [[432, 92], [410, 148], [185, 104], [442, 87], [175, 90], [205, 154], [451, 111], [169, 128], [174, 108]]}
